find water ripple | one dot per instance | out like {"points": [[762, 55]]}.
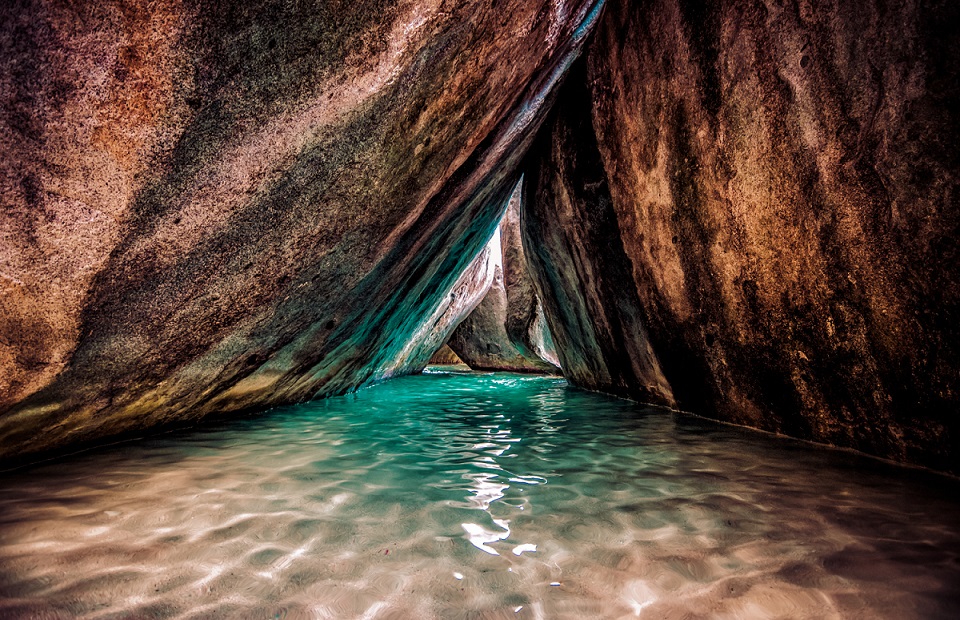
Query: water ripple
{"points": [[454, 495]]}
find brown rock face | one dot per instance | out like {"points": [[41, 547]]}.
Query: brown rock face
{"points": [[507, 330], [444, 356], [525, 322], [577, 259], [778, 183], [208, 207]]}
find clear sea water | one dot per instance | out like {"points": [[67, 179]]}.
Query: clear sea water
{"points": [[452, 495]]}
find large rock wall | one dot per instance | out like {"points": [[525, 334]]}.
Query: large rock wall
{"points": [[213, 206], [782, 178]]}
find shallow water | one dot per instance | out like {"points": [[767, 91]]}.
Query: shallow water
{"points": [[476, 496]]}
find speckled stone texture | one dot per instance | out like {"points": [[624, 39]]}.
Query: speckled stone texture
{"points": [[782, 179], [507, 330], [219, 205]]}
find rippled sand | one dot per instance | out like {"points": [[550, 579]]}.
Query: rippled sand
{"points": [[476, 496]]}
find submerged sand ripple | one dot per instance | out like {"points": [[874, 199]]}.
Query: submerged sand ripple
{"points": [[410, 500]]}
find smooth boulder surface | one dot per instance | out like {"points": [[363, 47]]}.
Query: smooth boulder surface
{"points": [[525, 321], [578, 262], [212, 207], [507, 330], [444, 356], [778, 183]]}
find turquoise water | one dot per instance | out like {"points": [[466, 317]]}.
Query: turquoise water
{"points": [[454, 495]]}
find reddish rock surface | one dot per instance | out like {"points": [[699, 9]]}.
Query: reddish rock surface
{"points": [[209, 207], [776, 185]]}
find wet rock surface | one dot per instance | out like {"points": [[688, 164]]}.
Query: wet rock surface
{"points": [[214, 207], [778, 184]]}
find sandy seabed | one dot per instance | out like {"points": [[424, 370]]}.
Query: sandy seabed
{"points": [[452, 495]]}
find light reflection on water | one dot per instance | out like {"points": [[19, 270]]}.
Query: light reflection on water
{"points": [[455, 496]]}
